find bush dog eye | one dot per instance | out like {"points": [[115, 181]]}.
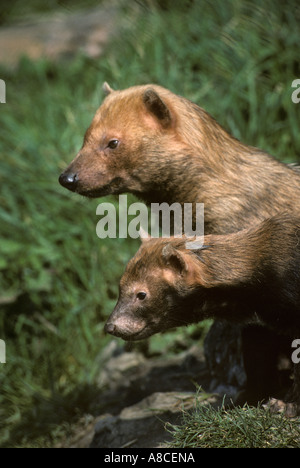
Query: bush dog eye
{"points": [[141, 296], [113, 144]]}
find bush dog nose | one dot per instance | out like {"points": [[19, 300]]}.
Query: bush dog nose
{"points": [[68, 180], [110, 328]]}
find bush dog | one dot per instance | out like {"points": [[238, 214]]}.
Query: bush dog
{"points": [[163, 148], [252, 276]]}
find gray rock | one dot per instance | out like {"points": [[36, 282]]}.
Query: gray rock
{"points": [[143, 425], [139, 395]]}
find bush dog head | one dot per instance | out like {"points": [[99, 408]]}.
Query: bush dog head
{"points": [[158, 283], [130, 129]]}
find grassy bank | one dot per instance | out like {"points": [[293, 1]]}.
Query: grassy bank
{"points": [[246, 427], [58, 280]]}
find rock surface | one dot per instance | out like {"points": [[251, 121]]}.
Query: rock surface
{"points": [[139, 395], [143, 425]]}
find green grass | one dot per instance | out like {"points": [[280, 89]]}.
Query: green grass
{"points": [[58, 281], [238, 427]]}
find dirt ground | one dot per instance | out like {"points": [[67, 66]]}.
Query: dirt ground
{"points": [[59, 35]]}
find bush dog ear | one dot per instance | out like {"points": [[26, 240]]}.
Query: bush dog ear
{"points": [[174, 259], [197, 245], [157, 107], [107, 89]]}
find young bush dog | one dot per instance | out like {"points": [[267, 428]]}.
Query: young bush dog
{"points": [[163, 148], [237, 277]]}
